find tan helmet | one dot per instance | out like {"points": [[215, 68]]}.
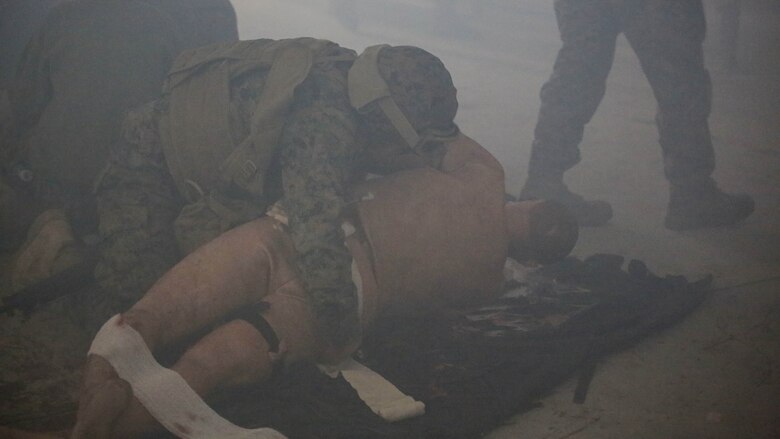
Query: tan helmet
{"points": [[408, 87]]}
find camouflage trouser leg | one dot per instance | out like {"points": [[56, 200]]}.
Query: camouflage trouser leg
{"points": [[589, 30], [137, 204], [667, 36]]}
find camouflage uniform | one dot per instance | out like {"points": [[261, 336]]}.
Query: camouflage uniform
{"points": [[667, 36], [90, 62], [318, 154], [315, 158]]}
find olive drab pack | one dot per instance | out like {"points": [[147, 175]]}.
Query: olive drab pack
{"points": [[196, 129], [202, 153]]}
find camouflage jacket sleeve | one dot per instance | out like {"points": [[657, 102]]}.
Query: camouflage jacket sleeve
{"points": [[318, 154]]}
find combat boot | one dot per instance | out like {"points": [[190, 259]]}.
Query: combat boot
{"points": [[695, 206], [587, 212]]}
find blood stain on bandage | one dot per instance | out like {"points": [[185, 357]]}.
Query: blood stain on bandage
{"points": [[183, 429]]}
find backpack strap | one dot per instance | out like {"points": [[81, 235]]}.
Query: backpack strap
{"points": [[246, 166]]}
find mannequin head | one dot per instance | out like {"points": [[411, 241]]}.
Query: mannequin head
{"points": [[540, 231]]}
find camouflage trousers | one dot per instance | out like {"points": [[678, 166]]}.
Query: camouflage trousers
{"points": [[667, 37]]}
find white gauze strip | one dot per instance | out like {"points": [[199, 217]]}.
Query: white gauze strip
{"points": [[349, 230], [162, 391], [380, 395]]}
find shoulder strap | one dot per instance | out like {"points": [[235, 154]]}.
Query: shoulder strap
{"points": [[246, 165], [195, 130]]}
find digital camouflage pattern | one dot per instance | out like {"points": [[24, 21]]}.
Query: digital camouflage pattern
{"points": [[137, 204], [667, 36], [320, 151], [421, 86], [314, 160], [42, 357]]}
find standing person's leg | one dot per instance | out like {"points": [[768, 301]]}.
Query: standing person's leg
{"points": [[569, 99], [668, 37]]}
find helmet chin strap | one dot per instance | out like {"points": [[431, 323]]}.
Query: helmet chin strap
{"points": [[365, 85], [438, 135], [401, 124]]}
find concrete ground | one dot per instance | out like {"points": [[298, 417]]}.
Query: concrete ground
{"points": [[715, 375]]}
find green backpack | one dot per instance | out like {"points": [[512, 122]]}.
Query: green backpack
{"points": [[196, 136]]}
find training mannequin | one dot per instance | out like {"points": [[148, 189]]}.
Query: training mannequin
{"points": [[420, 240]]}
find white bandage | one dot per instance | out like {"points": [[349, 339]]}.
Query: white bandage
{"points": [[358, 281], [163, 392], [349, 229], [380, 395]]}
